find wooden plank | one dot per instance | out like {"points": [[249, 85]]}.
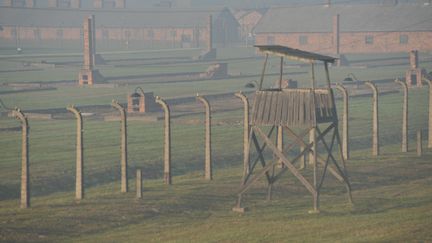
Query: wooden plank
{"points": [[285, 110], [261, 104], [278, 118], [268, 108], [274, 108]]}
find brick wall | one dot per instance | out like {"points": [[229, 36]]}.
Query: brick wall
{"points": [[379, 42], [141, 34]]}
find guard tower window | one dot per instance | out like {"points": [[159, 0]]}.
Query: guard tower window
{"points": [[303, 40], [403, 39], [369, 40]]}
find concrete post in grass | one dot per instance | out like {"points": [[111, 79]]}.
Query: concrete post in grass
{"points": [[25, 190], [138, 184], [404, 144], [345, 127], [79, 181], [123, 146], [419, 143], [208, 156], [167, 140], [429, 82], [246, 129], [375, 123]]}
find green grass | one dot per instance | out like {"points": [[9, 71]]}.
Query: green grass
{"points": [[392, 193]]}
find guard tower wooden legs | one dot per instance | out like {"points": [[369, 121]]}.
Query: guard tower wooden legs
{"points": [[323, 163]]}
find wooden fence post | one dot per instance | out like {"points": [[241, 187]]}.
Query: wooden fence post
{"points": [[429, 82], [123, 146], [375, 122], [79, 181], [345, 125], [167, 140], [208, 156], [404, 143], [246, 129], [25, 188]]}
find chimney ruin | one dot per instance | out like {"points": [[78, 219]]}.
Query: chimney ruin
{"points": [[89, 75], [414, 74], [210, 33], [336, 34]]}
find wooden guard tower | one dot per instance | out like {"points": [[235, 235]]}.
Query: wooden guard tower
{"points": [[300, 113]]}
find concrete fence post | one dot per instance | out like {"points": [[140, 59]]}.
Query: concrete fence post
{"points": [[375, 122], [167, 140], [345, 125], [419, 143], [208, 150], [123, 146], [429, 82], [25, 188], [138, 184], [79, 181], [404, 143], [246, 129]]}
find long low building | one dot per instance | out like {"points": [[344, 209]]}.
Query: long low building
{"points": [[340, 29], [179, 27]]}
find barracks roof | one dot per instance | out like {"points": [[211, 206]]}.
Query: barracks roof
{"points": [[353, 18]]}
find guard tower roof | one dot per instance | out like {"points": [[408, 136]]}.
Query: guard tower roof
{"points": [[294, 54]]}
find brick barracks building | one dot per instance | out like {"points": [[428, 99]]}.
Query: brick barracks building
{"points": [[342, 29], [23, 22]]}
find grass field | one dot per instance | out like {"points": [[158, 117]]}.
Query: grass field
{"points": [[392, 193]]}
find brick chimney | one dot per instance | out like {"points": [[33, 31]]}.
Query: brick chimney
{"points": [[53, 3], [98, 3], [120, 3], [336, 34], [75, 3], [210, 33], [414, 59]]}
